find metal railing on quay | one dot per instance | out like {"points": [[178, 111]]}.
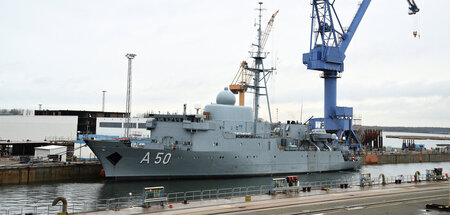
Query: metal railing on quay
{"points": [[198, 195], [176, 197]]}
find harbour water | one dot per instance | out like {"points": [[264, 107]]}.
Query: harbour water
{"points": [[21, 196]]}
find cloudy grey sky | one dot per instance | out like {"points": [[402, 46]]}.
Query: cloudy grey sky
{"points": [[62, 54]]}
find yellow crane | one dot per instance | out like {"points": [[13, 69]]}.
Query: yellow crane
{"points": [[239, 83]]}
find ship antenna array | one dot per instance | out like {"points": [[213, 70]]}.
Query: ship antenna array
{"points": [[259, 73], [128, 103]]}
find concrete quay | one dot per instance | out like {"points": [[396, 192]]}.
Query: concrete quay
{"points": [[411, 157], [48, 172], [408, 198]]}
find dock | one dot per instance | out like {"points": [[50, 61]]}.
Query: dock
{"points": [[407, 198], [414, 137], [407, 157], [15, 173]]}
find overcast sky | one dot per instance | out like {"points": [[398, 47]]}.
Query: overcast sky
{"points": [[62, 54]]}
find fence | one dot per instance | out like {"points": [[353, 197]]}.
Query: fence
{"points": [[223, 193], [197, 195]]}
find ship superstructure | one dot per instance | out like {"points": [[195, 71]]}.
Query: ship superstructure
{"points": [[224, 140], [221, 142]]}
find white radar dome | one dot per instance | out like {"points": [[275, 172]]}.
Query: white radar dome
{"points": [[225, 97]]}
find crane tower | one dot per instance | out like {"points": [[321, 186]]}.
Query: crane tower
{"points": [[328, 43]]}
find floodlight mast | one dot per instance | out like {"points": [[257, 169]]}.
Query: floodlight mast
{"points": [[103, 101], [130, 57]]}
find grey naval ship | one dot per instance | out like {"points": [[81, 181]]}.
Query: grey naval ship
{"points": [[225, 140]]}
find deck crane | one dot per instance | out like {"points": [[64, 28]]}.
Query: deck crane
{"points": [[239, 83], [328, 43]]}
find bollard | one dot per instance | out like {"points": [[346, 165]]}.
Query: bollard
{"points": [[64, 201], [417, 176], [308, 189], [248, 198], [383, 179]]}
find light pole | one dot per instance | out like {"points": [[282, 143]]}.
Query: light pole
{"points": [[128, 103], [103, 101]]}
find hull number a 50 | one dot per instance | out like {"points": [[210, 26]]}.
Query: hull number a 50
{"points": [[160, 158]]}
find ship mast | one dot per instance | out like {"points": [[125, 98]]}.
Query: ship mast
{"points": [[259, 74]]}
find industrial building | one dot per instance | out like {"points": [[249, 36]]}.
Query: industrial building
{"points": [[87, 120], [51, 152], [116, 127], [15, 128]]}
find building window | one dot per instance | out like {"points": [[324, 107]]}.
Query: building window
{"points": [[141, 125], [111, 124], [129, 125]]}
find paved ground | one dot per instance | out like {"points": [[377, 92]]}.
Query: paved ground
{"points": [[391, 199], [387, 203]]}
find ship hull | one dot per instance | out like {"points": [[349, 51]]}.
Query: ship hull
{"points": [[120, 160]]}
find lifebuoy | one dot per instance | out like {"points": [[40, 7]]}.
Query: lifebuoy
{"points": [[447, 175]]}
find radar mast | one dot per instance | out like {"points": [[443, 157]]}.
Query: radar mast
{"points": [[260, 75]]}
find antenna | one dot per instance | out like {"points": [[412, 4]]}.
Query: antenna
{"points": [[128, 105], [301, 113], [259, 73], [197, 107]]}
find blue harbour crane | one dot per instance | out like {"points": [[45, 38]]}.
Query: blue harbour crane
{"points": [[413, 9], [328, 43]]}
